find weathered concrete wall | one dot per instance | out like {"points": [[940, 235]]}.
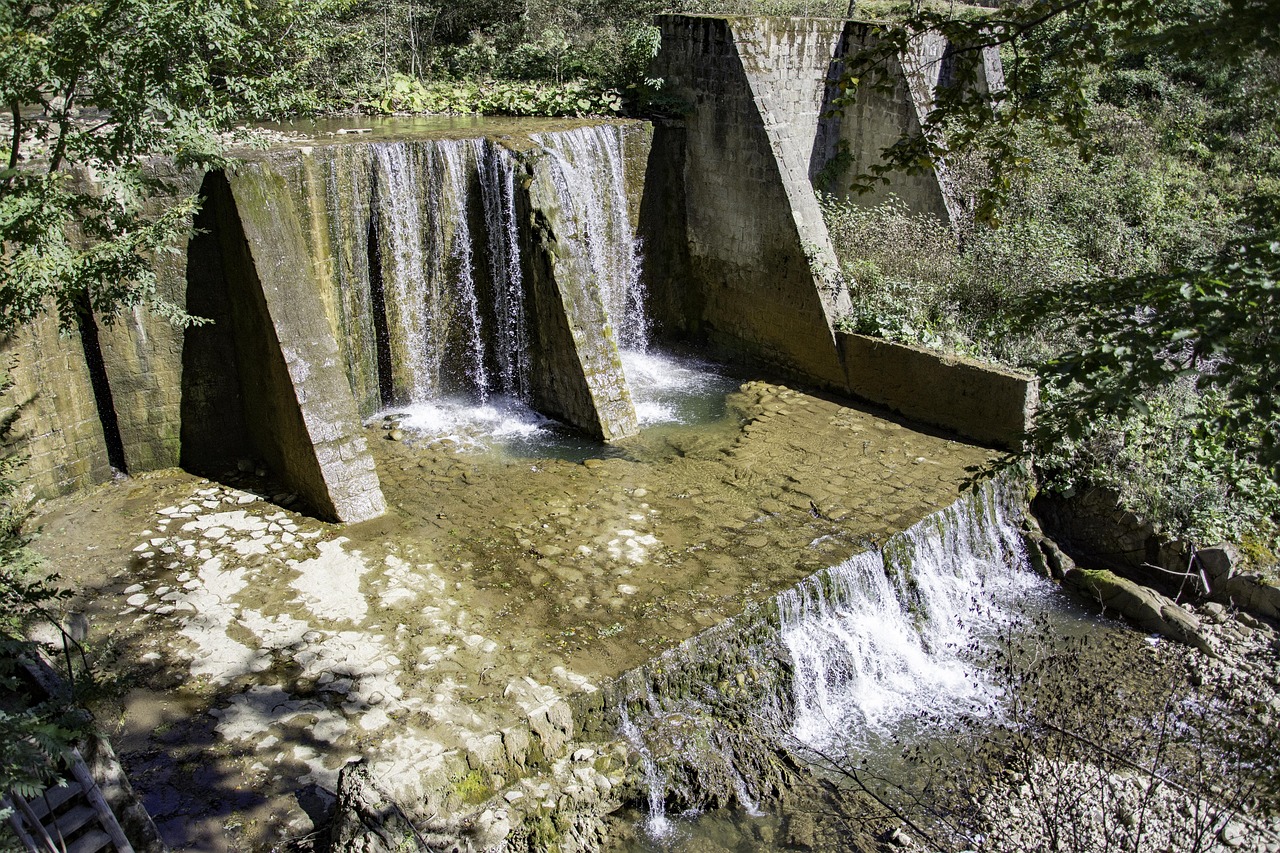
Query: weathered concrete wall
{"points": [[851, 135], [577, 372], [298, 406], [56, 425], [759, 263], [60, 429], [293, 291], [332, 188], [142, 355], [978, 401], [213, 436]]}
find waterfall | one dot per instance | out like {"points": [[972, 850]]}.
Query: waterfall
{"points": [[411, 284], [657, 824], [458, 159], [449, 333], [851, 658], [591, 183], [497, 168], [888, 635]]}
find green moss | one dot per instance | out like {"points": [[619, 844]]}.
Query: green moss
{"points": [[473, 788], [544, 832]]}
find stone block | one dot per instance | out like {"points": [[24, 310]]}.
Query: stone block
{"points": [[979, 401]]}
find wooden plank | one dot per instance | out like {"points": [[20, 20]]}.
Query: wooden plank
{"points": [[54, 798], [91, 842], [19, 826], [94, 795], [78, 816], [40, 837]]}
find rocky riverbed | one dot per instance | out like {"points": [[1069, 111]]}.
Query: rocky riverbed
{"points": [[256, 651]]}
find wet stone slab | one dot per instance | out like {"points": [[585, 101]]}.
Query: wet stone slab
{"points": [[257, 650]]}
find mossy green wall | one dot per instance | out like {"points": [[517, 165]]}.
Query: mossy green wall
{"points": [[577, 372]]}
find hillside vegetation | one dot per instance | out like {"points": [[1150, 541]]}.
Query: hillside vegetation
{"points": [[1099, 232]]}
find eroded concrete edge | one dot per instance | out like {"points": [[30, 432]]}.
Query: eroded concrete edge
{"points": [[330, 465]]}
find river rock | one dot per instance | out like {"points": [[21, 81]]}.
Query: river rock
{"points": [[1221, 565], [364, 821], [1145, 607]]}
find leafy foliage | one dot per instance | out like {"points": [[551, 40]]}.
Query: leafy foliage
{"points": [[93, 91], [502, 97], [1132, 162]]}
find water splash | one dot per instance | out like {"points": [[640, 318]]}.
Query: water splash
{"points": [[668, 389], [885, 637]]}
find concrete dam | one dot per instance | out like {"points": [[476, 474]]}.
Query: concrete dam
{"points": [[490, 418]]}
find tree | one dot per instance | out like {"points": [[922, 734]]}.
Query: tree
{"points": [[94, 92], [1210, 319]]}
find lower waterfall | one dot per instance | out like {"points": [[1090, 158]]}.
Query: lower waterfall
{"points": [[845, 660], [890, 633]]}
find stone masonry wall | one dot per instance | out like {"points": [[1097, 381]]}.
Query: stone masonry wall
{"points": [[142, 354], [851, 137], [56, 426], [749, 222], [577, 371]]}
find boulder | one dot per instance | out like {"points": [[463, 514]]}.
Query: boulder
{"points": [[1145, 607], [1221, 566]]}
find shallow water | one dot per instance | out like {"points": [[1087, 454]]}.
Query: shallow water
{"points": [[501, 559], [671, 393]]}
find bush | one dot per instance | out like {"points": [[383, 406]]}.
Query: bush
{"points": [[498, 97], [1194, 483]]}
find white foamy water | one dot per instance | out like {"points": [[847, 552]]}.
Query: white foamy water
{"points": [[471, 425], [884, 638], [669, 389]]}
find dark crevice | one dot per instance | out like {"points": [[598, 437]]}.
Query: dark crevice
{"points": [[378, 302], [101, 385]]}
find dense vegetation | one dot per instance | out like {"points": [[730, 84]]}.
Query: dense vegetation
{"points": [[1135, 262]]}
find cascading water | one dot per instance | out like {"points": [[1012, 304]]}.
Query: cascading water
{"points": [[591, 183], [497, 170], [455, 292], [458, 159], [889, 634], [447, 336], [657, 824], [849, 658]]}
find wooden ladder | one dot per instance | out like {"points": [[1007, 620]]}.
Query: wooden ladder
{"points": [[71, 816]]}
